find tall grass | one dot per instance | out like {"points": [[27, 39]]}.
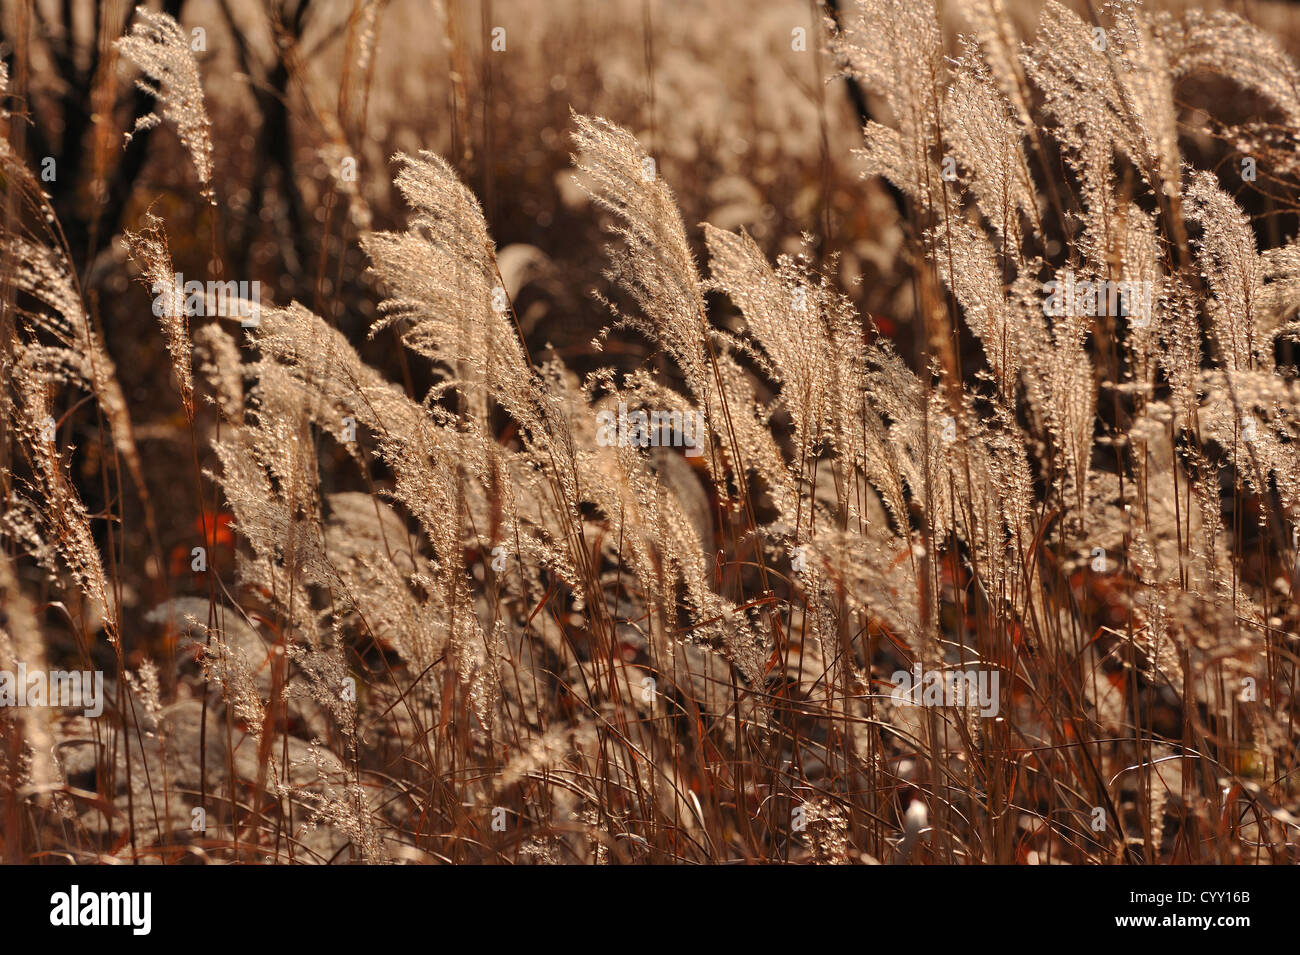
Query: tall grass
{"points": [[468, 626]]}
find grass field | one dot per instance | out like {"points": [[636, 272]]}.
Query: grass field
{"points": [[863, 432]]}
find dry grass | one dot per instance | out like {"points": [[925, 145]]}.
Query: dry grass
{"points": [[456, 623]]}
